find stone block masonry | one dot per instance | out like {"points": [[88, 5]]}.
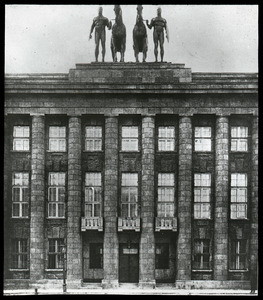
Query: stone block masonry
{"points": [[184, 199], [221, 199], [111, 245], [147, 242], [37, 262], [74, 251]]}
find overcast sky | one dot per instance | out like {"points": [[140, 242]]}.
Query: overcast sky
{"points": [[206, 38]]}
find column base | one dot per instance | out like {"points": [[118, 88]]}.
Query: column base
{"points": [[151, 284], [109, 284]]}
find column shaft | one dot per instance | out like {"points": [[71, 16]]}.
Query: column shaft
{"points": [[221, 199], [37, 214], [111, 246]]}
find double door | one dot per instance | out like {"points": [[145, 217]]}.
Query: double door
{"points": [[129, 262]]}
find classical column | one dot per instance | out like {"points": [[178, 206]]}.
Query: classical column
{"points": [[37, 214], [111, 245], [184, 199], [74, 241], [254, 205], [147, 241], [221, 199]]}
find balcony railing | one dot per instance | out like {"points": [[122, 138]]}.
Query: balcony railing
{"points": [[91, 223], [129, 224], [165, 223]]}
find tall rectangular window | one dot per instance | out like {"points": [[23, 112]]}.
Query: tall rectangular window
{"points": [[21, 138], [162, 256], [56, 195], [166, 138], [129, 195], [129, 141], [19, 254], [201, 257], [203, 139], [238, 254], [93, 138], [55, 256], [96, 256], [239, 138], [20, 194], [165, 206], [57, 138], [93, 198], [238, 207], [202, 196]]}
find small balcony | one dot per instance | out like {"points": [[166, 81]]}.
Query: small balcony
{"points": [[91, 223], [165, 223], [129, 224]]}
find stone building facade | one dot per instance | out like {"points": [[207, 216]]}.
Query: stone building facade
{"points": [[145, 173]]}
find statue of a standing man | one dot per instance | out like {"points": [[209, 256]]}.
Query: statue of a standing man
{"points": [[159, 25], [99, 23]]}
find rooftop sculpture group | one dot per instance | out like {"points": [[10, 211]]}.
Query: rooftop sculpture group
{"points": [[118, 39]]}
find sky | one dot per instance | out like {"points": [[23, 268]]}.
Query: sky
{"points": [[206, 38]]}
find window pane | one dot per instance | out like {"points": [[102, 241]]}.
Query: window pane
{"points": [[88, 210], [125, 210], [133, 210], [21, 131], [202, 132], [61, 210], [16, 209], [96, 210], [52, 209], [24, 209], [129, 179], [165, 179], [61, 194], [16, 194], [161, 210], [93, 179], [52, 194]]}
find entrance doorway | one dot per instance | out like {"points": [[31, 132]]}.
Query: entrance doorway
{"points": [[129, 262]]}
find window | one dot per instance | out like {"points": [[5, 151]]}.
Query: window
{"points": [[56, 195], [130, 136], [203, 139], [202, 196], [93, 195], [57, 138], [19, 254], [238, 254], [239, 138], [20, 195], [129, 195], [238, 207], [55, 256], [165, 207], [162, 256], [201, 255], [96, 256], [21, 138], [166, 138], [93, 138]]}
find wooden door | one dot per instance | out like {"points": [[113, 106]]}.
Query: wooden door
{"points": [[129, 263]]}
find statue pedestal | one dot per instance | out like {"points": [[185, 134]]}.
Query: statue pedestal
{"points": [[131, 73]]}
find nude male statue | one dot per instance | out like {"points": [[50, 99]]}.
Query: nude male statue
{"points": [[159, 25], [99, 23]]}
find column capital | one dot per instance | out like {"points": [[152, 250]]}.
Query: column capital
{"points": [[74, 115], [115, 115], [148, 115], [37, 115]]}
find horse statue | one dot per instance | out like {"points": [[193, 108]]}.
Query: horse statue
{"points": [[118, 38], [140, 41]]}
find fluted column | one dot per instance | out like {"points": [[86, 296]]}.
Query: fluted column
{"points": [[111, 245], [37, 206], [74, 242], [254, 206], [147, 241], [221, 199], [184, 199]]}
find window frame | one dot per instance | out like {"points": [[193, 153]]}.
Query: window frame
{"points": [[201, 255], [93, 138], [19, 254], [56, 203], [129, 138], [129, 203], [58, 139], [238, 138], [236, 203], [165, 203], [93, 202], [236, 255], [202, 203], [22, 138], [202, 138], [21, 203], [57, 254], [166, 139]]}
